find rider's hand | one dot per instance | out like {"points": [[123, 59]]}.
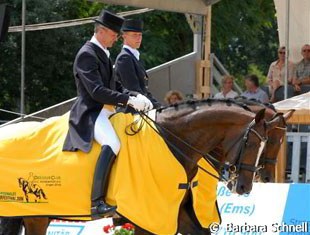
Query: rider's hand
{"points": [[149, 105], [137, 103]]}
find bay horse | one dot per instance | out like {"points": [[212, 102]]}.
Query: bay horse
{"points": [[202, 125], [268, 159]]}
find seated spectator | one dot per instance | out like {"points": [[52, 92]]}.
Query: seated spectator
{"points": [[302, 72], [276, 73], [227, 92], [253, 91], [173, 97]]}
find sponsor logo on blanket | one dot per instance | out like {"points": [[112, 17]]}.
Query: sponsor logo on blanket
{"points": [[33, 188], [47, 180], [10, 197]]}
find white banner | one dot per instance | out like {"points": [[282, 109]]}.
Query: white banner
{"points": [[269, 209], [257, 211], [60, 227], [299, 30]]}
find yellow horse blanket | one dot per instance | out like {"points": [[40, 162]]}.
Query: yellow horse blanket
{"points": [[38, 179]]}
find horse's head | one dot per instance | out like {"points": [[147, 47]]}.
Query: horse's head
{"points": [[268, 159], [244, 152]]}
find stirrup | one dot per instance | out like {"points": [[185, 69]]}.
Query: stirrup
{"points": [[101, 209]]}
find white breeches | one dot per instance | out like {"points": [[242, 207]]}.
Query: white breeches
{"points": [[104, 132]]}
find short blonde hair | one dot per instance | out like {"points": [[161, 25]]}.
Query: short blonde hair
{"points": [[178, 94], [227, 77], [281, 48]]}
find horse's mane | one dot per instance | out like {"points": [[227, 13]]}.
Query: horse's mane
{"points": [[247, 101], [208, 101]]}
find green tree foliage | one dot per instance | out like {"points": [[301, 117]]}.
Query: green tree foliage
{"points": [[168, 36], [50, 53], [244, 36]]}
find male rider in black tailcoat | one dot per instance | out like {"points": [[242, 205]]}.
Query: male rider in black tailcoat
{"points": [[128, 67], [89, 115]]}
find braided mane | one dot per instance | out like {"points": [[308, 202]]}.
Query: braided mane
{"points": [[208, 101], [255, 102]]}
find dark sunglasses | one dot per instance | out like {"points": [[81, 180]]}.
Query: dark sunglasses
{"points": [[281, 52], [306, 50]]}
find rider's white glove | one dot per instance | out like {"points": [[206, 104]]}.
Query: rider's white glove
{"points": [[137, 103], [149, 105]]}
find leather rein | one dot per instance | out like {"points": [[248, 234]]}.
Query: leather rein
{"points": [[232, 168]]}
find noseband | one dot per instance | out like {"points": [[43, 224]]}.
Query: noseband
{"points": [[239, 165]]}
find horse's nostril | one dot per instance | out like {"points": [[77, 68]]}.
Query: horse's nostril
{"points": [[242, 188]]}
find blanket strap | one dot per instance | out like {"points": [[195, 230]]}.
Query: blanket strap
{"points": [[189, 185]]}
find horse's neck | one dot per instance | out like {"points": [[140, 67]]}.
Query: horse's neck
{"points": [[203, 130]]}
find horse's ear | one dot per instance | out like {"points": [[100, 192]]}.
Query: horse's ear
{"points": [[260, 115], [289, 114]]}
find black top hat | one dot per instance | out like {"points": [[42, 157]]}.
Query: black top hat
{"points": [[133, 25], [110, 21]]}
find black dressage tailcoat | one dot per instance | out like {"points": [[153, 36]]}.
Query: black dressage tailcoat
{"points": [[132, 75], [93, 74]]}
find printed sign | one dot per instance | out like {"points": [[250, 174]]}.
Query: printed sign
{"points": [[59, 227], [270, 209]]}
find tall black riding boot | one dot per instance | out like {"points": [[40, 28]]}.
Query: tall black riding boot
{"points": [[100, 183]]}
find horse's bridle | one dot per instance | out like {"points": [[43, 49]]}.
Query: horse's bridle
{"points": [[234, 169], [243, 166], [209, 158], [264, 160]]}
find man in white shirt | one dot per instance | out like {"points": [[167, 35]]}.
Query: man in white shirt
{"points": [[302, 73]]}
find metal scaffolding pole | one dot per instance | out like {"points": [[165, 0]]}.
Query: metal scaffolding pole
{"points": [[287, 42], [22, 85]]}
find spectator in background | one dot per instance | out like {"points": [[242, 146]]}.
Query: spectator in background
{"points": [[276, 73], [253, 91], [173, 97], [227, 85], [302, 73]]}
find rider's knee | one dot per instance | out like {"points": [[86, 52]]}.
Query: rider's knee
{"points": [[115, 146]]}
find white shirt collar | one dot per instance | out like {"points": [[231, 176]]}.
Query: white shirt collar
{"points": [[96, 42], [135, 52]]}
